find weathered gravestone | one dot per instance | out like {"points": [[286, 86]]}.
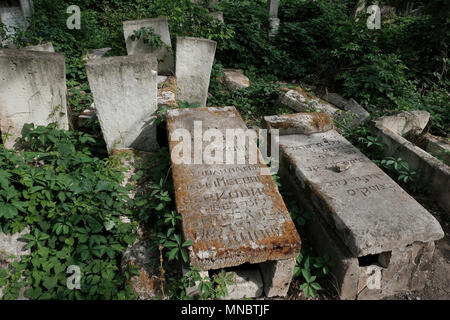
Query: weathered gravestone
{"points": [[13, 14], [160, 27], [233, 212], [125, 96], [362, 218], [46, 46], [32, 90], [272, 6], [217, 15], [195, 58]]}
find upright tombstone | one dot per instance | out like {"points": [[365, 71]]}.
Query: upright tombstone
{"points": [[32, 90], [164, 54], [380, 238], [272, 6], [125, 96], [13, 14], [231, 210], [195, 58]]}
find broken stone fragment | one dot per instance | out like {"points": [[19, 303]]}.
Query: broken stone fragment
{"points": [[46, 46], [246, 284], [300, 123], [93, 54], [235, 79], [217, 15], [407, 123], [301, 101], [167, 92]]}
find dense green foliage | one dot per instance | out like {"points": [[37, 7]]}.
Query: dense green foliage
{"points": [[72, 203], [65, 189]]}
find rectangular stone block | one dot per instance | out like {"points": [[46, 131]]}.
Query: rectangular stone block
{"points": [[277, 276], [160, 26], [272, 6], [361, 217], [125, 96], [233, 212], [195, 58], [32, 90]]}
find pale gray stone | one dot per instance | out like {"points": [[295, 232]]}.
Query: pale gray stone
{"points": [[93, 54], [411, 123], [300, 123], [274, 26], [369, 211], [235, 79], [161, 27], [217, 15], [246, 284], [125, 96], [437, 146], [277, 276], [46, 46], [12, 248], [195, 59], [272, 6], [32, 90], [301, 101]]}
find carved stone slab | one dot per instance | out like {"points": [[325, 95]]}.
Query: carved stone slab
{"points": [[232, 212], [368, 210]]}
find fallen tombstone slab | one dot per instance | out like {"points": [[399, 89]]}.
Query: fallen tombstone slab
{"points": [[32, 90], [195, 57], [381, 239], [233, 213], [235, 79], [160, 26], [302, 101], [125, 97], [400, 133]]}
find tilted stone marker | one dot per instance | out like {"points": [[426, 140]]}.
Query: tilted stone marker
{"points": [[125, 96], [195, 57], [272, 6], [232, 212], [32, 90], [360, 213], [160, 26]]}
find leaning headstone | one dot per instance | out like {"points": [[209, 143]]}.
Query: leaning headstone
{"points": [[160, 27], [32, 90], [233, 213], [361, 217], [195, 57], [125, 96], [46, 46]]}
